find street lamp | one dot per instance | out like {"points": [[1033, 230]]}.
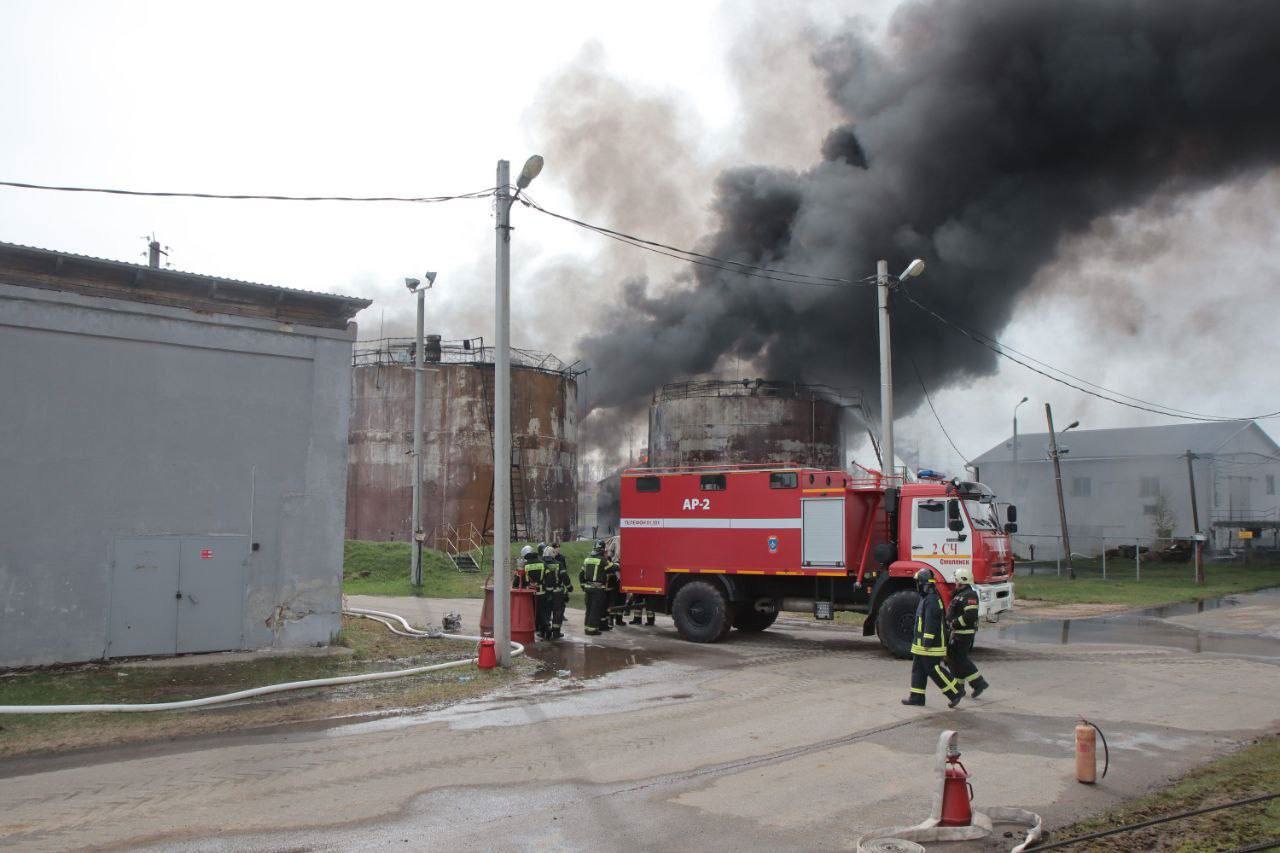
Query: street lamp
{"points": [[415, 561], [502, 404], [886, 367], [1013, 489]]}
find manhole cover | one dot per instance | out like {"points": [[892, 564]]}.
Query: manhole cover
{"points": [[890, 845]]}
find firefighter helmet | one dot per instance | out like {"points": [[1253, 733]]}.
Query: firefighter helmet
{"points": [[548, 553], [924, 577], [964, 576], [598, 545], [526, 551]]}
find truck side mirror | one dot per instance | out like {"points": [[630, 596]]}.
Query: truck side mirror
{"points": [[1011, 514], [890, 501], [954, 522], [1010, 527]]}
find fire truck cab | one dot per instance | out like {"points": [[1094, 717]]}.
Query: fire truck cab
{"points": [[731, 547]]}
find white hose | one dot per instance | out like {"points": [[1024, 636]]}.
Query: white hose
{"points": [[376, 615]]}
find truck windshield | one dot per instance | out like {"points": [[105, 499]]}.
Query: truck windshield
{"points": [[983, 514]]}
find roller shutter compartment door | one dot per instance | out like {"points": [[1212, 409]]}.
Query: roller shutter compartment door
{"points": [[823, 543]]}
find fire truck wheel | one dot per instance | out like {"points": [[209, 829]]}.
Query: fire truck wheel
{"points": [[893, 622], [749, 619], [701, 612]]}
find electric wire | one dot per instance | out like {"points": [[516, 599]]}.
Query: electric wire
{"points": [[1155, 821], [936, 417], [251, 196], [1003, 351], [728, 265]]}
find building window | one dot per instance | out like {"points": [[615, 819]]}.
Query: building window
{"points": [[1081, 487], [1148, 509], [931, 515], [1149, 487], [783, 480], [713, 483], [1271, 484], [648, 484]]}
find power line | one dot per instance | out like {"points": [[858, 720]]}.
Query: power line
{"points": [[248, 196], [936, 417], [1000, 350], [751, 270]]}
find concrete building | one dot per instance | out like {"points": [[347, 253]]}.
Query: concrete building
{"points": [[457, 455], [1123, 484], [173, 460]]}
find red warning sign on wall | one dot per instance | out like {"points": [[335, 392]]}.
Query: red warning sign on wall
{"points": [[206, 553]]}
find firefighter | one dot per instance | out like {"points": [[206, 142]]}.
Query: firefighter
{"points": [[613, 591], [593, 580], [554, 592], [532, 578], [563, 581], [519, 580], [963, 618], [638, 607], [929, 646]]}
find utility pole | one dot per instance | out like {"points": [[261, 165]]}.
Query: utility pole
{"points": [[886, 370], [1057, 474], [1195, 518], [502, 422], [415, 567]]}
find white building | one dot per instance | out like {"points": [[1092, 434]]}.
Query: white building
{"points": [[1119, 485]]}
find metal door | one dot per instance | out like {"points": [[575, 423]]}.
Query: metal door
{"points": [[144, 579], [211, 593], [823, 539], [933, 542]]}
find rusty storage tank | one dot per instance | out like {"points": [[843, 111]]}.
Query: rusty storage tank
{"points": [[724, 422], [457, 458]]}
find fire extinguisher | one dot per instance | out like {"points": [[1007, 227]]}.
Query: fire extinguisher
{"points": [[957, 791], [1086, 753]]}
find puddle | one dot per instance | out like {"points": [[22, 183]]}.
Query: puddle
{"points": [[572, 658], [1149, 627]]}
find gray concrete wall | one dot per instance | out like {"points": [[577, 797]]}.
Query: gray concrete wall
{"points": [[123, 419]]}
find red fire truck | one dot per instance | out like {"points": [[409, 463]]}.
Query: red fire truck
{"points": [[731, 547]]}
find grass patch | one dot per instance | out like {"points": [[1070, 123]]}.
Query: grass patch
{"points": [[373, 648], [1161, 583], [382, 568], [1252, 771]]}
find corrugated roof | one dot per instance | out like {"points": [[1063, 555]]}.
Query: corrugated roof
{"points": [[33, 266], [183, 273], [1169, 440]]}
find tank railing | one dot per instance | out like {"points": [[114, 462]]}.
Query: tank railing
{"points": [[399, 352], [757, 388]]}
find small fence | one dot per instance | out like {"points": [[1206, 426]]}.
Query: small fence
{"points": [[1112, 556]]}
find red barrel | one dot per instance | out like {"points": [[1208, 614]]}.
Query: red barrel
{"points": [[522, 621]]}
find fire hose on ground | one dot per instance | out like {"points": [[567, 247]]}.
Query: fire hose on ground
{"points": [[388, 619]]}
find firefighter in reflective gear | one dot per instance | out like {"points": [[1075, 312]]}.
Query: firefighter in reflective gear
{"points": [[519, 580], [962, 616], [593, 578], [554, 592], [637, 607], [613, 592], [929, 646], [563, 581], [532, 578]]}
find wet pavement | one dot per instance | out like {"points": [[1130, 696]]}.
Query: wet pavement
{"points": [[1170, 626], [638, 740]]}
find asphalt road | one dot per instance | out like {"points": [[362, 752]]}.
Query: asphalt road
{"points": [[792, 739]]}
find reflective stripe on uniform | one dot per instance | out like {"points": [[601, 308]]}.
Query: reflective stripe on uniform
{"points": [[950, 684], [965, 631], [929, 636], [969, 678], [917, 690], [928, 651]]}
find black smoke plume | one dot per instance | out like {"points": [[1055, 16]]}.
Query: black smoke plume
{"points": [[977, 137]]}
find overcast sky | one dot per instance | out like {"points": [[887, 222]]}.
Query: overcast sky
{"points": [[1177, 303]]}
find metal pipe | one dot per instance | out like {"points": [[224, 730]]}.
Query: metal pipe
{"points": [[502, 421], [805, 605]]}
